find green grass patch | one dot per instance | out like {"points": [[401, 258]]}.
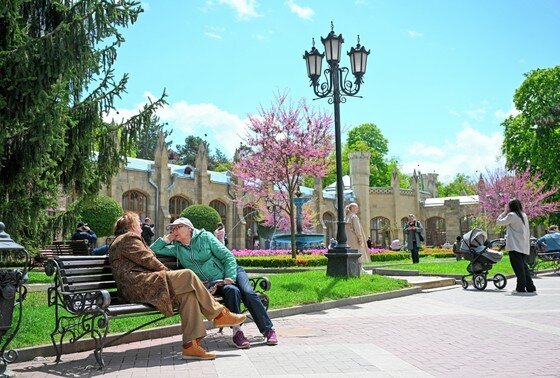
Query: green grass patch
{"points": [[288, 289], [449, 266], [36, 277]]}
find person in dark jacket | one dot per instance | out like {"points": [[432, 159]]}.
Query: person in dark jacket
{"points": [[83, 232], [148, 231]]}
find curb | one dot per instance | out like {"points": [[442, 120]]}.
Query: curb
{"points": [[30, 353]]}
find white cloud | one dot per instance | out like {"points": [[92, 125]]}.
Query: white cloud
{"points": [[224, 130], [245, 8], [414, 33], [259, 37], [477, 114], [500, 114], [471, 152], [302, 12], [212, 35]]}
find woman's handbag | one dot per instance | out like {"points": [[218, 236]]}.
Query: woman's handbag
{"points": [[420, 237]]}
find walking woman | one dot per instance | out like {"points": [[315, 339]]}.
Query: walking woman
{"points": [[517, 244]]}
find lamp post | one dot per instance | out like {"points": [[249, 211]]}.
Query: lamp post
{"points": [[342, 261]]}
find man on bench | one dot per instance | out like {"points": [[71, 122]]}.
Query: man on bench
{"points": [[141, 277], [83, 232], [200, 251]]}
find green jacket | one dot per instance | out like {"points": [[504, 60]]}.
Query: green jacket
{"points": [[208, 258]]}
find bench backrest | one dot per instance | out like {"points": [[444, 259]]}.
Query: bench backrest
{"points": [[90, 273]]}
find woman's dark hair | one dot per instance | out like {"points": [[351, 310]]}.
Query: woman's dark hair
{"points": [[220, 226], [516, 207], [124, 224]]}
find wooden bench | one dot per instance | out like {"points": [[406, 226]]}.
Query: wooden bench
{"points": [[63, 248], [85, 299]]}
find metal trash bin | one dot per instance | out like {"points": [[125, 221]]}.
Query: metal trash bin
{"points": [[12, 294]]}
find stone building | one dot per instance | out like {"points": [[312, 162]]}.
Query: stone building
{"points": [[162, 190]]}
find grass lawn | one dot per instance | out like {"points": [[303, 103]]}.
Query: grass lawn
{"points": [[449, 266], [288, 289]]}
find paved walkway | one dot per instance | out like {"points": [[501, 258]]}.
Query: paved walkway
{"points": [[447, 332]]}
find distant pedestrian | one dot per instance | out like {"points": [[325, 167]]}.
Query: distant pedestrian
{"points": [[368, 242], [148, 230], [220, 233], [333, 243], [355, 233], [414, 238], [517, 244]]}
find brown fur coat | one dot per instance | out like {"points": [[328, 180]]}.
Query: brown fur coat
{"points": [[139, 275]]}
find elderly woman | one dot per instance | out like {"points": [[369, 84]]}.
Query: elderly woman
{"points": [[355, 233], [141, 277]]}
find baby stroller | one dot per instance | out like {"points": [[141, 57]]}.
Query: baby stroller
{"points": [[476, 249]]}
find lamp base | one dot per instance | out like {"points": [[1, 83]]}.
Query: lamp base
{"points": [[343, 262]]}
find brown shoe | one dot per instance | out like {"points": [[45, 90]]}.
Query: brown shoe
{"points": [[228, 319], [195, 352]]}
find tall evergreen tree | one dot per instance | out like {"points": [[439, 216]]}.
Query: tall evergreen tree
{"points": [[56, 82], [148, 137]]}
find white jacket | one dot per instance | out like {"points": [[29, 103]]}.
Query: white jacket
{"points": [[517, 232]]}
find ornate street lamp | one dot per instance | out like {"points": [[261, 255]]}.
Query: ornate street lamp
{"points": [[342, 261]]}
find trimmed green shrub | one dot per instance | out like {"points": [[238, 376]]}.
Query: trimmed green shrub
{"points": [[202, 216], [284, 261], [100, 212], [390, 256]]}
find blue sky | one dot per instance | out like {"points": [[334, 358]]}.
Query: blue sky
{"points": [[440, 78]]}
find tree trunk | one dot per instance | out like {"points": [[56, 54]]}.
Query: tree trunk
{"points": [[292, 227]]}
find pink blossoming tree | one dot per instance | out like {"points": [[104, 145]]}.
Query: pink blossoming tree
{"points": [[286, 142], [500, 186]]}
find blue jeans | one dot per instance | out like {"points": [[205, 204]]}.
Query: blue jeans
{"points": [[243, 291], [100, 251]]}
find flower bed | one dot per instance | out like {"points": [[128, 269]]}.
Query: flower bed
{"points": [[283, 252]]}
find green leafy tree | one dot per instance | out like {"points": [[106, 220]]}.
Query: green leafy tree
{"points": [[529, 137], [368, 137], [187, 151], [202, 216], [100, 212], [460, 186], [56, 82], [148, 137]]}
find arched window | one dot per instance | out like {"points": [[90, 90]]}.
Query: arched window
{"points": [[380, 232], [135, 201], [221, 208], [404, 225], [176, 206], [466, 224], [435, 231], [330, 232], [250, 215]]}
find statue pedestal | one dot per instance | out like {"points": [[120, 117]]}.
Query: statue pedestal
{"points": [[343, 262]]}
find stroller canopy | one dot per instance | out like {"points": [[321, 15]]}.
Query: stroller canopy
{"points": [[474, 242]]}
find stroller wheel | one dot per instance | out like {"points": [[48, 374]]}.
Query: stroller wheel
{"points": [[479, 281], [500, 281], [464, 283]]}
